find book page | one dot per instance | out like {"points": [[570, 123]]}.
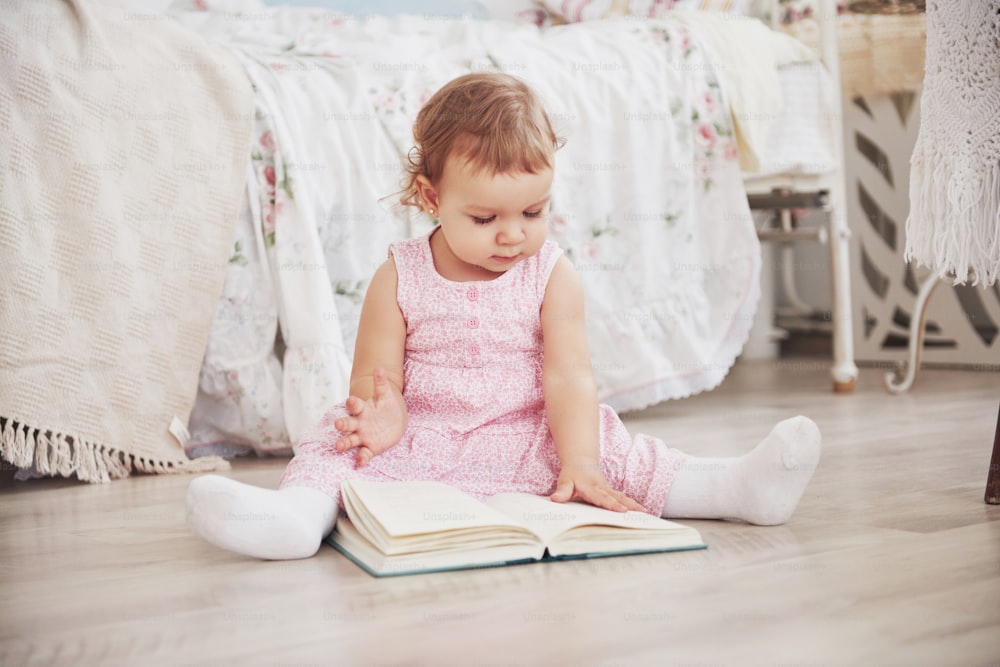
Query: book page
{"points": [[549, 519], [349, 540], [414, 508], [575, 529]]}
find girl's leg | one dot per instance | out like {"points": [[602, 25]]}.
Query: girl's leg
{"points": [[761, 487], [263, 523]]}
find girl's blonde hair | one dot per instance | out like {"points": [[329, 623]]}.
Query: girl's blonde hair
{"points": [[493, 120]]}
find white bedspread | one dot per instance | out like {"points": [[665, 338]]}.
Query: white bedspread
{"points": [[648, 202]]}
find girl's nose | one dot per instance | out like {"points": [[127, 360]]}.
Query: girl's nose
{"points": [[510, 232]]}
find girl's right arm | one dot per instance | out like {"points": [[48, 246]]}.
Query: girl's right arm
{"points": [[376, 407]]}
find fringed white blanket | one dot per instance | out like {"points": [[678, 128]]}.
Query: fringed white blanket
{"points": [[124, 146], [954, 221]]}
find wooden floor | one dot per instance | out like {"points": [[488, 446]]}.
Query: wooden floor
{"points": [[892, 559]]}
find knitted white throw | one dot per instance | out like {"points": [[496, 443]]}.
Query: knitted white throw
{"points": [[124, 141], [954, 221]]}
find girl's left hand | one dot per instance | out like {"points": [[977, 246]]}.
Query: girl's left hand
{"points": [[593, 488], [374, 425]]}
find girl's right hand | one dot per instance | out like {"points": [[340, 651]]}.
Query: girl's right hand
{"points": [[374, 425]]}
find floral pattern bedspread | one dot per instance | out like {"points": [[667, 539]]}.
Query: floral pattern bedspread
{"points": [[648, 203]]}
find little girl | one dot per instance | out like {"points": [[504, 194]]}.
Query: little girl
{"points": [[471, 364]]}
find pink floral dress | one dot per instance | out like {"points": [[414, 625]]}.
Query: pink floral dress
{"points": [[473, 388]]}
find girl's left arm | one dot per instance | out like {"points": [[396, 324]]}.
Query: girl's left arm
{"points": [[571, 395]]}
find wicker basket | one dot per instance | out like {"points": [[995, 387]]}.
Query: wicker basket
{"points": [[879, 53], [887, 6]]}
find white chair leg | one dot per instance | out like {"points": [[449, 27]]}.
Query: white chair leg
{"points": [[900, 380], [844, 371]]}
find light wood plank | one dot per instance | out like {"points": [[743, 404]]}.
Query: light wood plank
{"points": [[892, 558]]}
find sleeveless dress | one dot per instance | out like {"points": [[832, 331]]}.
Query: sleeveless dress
{"points": [[473, 387]]}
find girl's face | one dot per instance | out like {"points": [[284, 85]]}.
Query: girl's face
{"points": [[489, 223]]}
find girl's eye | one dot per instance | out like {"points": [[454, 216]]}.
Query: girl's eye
{"points": [[483, 221], [532, 214]]}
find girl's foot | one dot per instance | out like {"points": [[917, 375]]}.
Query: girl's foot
{"points": [[761, 487], [263, 523]]}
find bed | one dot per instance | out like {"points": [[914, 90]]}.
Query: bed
{"points": [[665, 119], [650, 198]]}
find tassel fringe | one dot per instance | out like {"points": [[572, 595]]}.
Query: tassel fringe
{"points": [[954, 221], [60, 454], [956, 227]]}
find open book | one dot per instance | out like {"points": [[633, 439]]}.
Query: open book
{"points": [[396, 528]]}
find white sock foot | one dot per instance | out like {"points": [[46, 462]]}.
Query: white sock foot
{"points": [[762, 487], [262, 523]]}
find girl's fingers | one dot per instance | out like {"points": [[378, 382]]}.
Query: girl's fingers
{"points": [[637, 506], [364, 456], [563, 492], [355, 406], [629, 503], [346, 425], [614, 500], [348, 441], [613, 503]]}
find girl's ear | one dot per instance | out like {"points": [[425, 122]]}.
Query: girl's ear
{"points": [[428, 195]]}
